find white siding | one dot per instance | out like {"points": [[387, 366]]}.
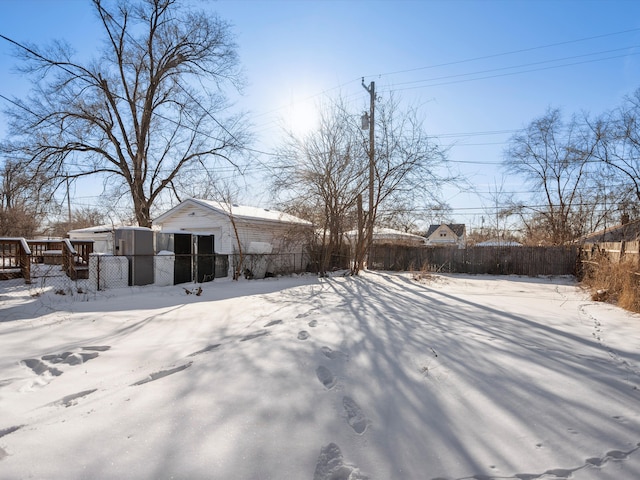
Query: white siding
{"points": [[443, 235], [192, 218], [278, 235], [195, 219]]}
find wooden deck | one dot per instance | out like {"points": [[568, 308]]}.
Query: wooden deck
{"points": [[18, 254]]}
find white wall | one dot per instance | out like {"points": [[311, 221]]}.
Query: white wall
{"points": [[196, 219]]}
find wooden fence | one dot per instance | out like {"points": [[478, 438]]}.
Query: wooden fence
{"points": [[529, 261]]}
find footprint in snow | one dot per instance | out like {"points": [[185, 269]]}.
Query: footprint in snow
{"points": [[70, 400], [355, 418], [331, 466], [273, 322], [40, 368], [613, 455], [333, 354], [307, 313], [303, 335], [7, 431], [326, 378], [97, 348], [251, 336], [80, 358], [161, 374], [313, 323], [206, 349]]}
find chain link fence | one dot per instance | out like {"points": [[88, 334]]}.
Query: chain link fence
{"points": [[104, 272], [266, 265]]}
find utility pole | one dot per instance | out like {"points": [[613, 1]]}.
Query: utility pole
{"points": [[68, 204], [370, 217]]}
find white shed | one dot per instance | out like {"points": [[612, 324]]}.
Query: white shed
{"points": [[102, 236], [259, 230]]}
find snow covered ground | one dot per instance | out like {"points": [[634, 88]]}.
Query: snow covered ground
{"points": [[382, 376]]}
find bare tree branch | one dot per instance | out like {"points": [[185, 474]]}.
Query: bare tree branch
{"points": [[136, 111]]}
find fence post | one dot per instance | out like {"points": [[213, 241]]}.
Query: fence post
{"points": [[24, 256]]}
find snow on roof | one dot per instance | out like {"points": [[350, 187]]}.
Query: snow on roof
{"points": [[245, 212], [389, 234], [130, 227], [495, 242], [96, 229]]}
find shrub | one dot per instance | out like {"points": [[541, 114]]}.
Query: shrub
{"points": [[614, 282]]}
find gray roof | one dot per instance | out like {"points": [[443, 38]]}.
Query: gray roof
{"points": [[457, 228], [628, 232]]}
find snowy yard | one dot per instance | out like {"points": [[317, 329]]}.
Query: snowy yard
{"points": [[380, 377]]}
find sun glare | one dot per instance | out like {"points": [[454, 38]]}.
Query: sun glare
{"points": [[302, 118]]}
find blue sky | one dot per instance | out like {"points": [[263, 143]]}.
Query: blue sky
{"points": [[479, 69]]}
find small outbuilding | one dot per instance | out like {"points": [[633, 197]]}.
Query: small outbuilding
{"points": [[101, 235], [277, 236]]}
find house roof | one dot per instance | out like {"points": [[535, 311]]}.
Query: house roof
{"points": [[391, 234], [237, 211], [382, 234], [498, 242], [628, 232], [105, 229], [457, 228], [95, 229]]}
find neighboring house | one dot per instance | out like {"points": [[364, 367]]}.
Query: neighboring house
{"points": [[498, 242], [628, 232], [259, 230], [389, 236], [447, 234]]}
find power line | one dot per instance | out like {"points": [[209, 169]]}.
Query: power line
{"points": [[408, 88], [378, 75], [512, 52], [453, 82], [449, 135]]}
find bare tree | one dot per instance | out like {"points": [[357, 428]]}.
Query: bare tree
{"points": [[327, 173], [320, 176], [617, 137], [144, 113], [80, 218], [225, 194], [22, 201], [553, 157], [409, 166]]}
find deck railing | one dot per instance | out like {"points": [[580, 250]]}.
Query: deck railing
{"points": [[46, 251], [75, 258], [15, 259], [18, 254]]}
